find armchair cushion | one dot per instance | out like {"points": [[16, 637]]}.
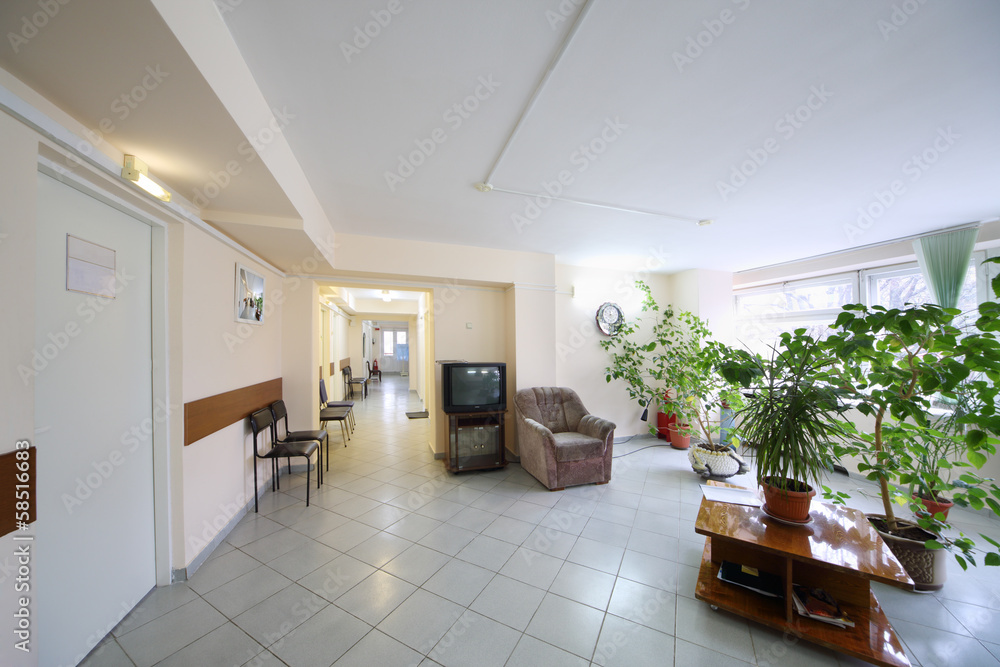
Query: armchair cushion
{"points": [[573, 446]]}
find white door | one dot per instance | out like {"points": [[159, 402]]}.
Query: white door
{"points": [[93, 425]]}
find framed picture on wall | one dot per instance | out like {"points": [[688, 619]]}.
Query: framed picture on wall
{"points": [[249, 295]]}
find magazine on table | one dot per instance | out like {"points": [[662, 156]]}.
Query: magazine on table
{"points": [[819, 605]]}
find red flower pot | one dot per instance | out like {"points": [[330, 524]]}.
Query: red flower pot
{"points": [[934, 506], [663, 424]]}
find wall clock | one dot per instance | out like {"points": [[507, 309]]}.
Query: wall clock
{"points": [[610, 318]]}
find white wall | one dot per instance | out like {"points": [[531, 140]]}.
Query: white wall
{"points": [[18, 174], [221, 354], [709, 295], [580, 360]]}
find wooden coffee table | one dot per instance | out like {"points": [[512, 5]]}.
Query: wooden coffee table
{"points": [[839, 551]]}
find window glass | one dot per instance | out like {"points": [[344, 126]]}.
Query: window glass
{"points": [[763, 314], [387, 343], [895, 289], [400, 338]]}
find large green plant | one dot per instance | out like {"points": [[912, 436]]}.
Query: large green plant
{"points": [[674, 363], [893, 363], [789, 420]]}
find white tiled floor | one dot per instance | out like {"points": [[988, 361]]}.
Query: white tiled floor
{"points": [[397, 562]]}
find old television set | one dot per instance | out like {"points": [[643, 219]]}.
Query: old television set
{"points": [[474, 387]]}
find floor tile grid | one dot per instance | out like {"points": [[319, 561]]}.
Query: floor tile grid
{"points": [[584, 554]]}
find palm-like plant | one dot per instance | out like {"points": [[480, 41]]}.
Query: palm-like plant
{"points": [[789, 417]]}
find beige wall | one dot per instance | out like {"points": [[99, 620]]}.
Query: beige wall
{"points": [[422, 260], [219, 355], [299, 352], [456, 307], [580, 360]]}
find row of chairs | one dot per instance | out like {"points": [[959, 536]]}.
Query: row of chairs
{"points": [[264, 423], [336, 411], [294, 444]]}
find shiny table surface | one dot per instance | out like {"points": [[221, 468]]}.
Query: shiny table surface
{"points": [[839, 538]]}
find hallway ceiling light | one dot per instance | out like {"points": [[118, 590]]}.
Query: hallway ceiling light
{"points": [[135, 170], [385, 296]]}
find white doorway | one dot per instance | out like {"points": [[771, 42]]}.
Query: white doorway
{"points": [[94, 423]]}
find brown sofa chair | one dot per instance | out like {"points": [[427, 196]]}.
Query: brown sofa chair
{"points": [[560, 443]]}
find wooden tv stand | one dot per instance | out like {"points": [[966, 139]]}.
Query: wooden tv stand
{"points": [[476, 441], [839, 551]]}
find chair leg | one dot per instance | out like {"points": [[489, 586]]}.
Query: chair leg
{"points": [[344, 433], [308, 462], [326, 436], [255, 508]]}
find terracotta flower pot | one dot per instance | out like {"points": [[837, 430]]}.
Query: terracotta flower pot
{"points": [[788, 505], [678, 441], [927, 567], [934, 507]]}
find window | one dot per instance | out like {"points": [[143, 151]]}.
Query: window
{"points": [[894, 287], [762, 314], [387, 339], [400, 338]]}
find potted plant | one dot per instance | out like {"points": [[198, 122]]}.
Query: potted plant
{"points": [[674, 363], [893, 364], [789, 421]]}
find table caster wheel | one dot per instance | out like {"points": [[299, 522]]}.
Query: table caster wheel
{"points": [[713, 607]]}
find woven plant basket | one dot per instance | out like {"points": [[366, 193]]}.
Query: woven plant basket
{"points": [[927, 567]]}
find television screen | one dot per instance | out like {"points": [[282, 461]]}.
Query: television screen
{"points": [[471, 387]]}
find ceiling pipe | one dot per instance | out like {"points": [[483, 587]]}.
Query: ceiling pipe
{"points": [[611, 207], [486, 184]]}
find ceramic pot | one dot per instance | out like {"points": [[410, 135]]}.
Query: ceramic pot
{"points": [[663, 424], [788, 505]]}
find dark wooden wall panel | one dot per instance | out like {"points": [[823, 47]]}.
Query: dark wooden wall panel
{"points": [[8, 489], [214, 413]]}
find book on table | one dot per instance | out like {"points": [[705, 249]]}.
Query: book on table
{"points": [[756, 580], [817, 604]]}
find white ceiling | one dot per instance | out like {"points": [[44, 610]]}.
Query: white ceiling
{"points": [[892, 94]]}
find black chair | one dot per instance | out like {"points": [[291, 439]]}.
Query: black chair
{"points": [[262, 422], [324, 404], [375, 374], [280, 414], [335, 415], [350, 381]]}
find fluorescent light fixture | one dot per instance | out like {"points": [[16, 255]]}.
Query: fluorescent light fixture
{"points": [[385, 296], [135, 170]]}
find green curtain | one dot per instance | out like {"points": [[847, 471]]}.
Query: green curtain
{"points": [[944, 261]]}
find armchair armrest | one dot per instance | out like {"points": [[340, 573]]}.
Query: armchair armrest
{"points": [[595, 427], [541, 431]]}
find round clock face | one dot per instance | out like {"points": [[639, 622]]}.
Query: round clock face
{"points": [[609, 318]]}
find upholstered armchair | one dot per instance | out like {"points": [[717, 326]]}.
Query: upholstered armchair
{"points": [[560, 443]]}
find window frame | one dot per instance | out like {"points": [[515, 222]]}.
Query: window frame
{"points": [[861, 282]]}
